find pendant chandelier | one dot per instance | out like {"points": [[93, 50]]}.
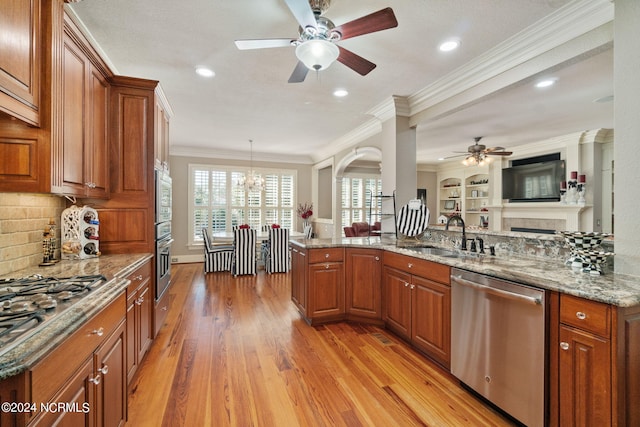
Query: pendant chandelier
{"points": [[251, 181]]}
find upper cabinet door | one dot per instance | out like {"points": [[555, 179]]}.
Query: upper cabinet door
{"points": [[20, 59]]}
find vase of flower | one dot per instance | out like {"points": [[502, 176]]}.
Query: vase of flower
{"points": [[305, 211]]}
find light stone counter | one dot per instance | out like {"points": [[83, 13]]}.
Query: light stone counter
{"points": [[29, 350], [543, 272]]}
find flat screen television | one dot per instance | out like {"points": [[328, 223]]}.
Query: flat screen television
{"points": [[534, 182]]}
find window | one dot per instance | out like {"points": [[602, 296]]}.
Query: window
{"points": [[356, 197], [217, 203]]}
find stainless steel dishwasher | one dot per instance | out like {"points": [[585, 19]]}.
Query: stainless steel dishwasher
{"points": [[498, 343]]}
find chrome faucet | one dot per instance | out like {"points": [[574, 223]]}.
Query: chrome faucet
{"points": [[463, 246]]}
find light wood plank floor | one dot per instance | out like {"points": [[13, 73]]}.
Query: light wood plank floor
{"points": [[235, 352]]}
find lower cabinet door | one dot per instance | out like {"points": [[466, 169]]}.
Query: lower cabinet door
{"points": [[397, 301], [326, 291], [585, 379], [431, 319], [111, 382], [77, 396]]}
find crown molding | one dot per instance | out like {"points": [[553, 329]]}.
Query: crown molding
{"points": [[567, 23], [203, 152]]}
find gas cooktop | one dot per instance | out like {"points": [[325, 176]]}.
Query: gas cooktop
{"points": [[26, 304]]}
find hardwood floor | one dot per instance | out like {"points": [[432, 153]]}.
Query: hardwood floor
{"points": [[234, 351]]}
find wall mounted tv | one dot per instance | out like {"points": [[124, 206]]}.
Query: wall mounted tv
{"points": [[536, 179]]}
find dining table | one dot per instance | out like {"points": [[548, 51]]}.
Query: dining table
{"points": [[260, 235]]}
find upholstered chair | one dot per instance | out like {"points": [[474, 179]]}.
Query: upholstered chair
{"points": [[216, 257], [244, 252], [276, 255]]}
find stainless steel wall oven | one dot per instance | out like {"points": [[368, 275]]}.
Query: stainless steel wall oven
{"points": [[163, 232]]}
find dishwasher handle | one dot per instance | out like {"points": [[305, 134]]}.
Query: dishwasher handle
{"points": [[496, 291]]}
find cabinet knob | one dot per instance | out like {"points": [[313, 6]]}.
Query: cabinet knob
{"points": [[377, 258], [406, 284], [99, 332], [104, 370], [95, 380], [164, 308], [412, 287], [326, 255], [409, 265], [580, 315], [326, 266], [140, 300], [138, 277], [564, 345]]}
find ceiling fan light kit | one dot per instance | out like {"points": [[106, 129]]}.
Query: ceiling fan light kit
{"points": [[317, 54]]}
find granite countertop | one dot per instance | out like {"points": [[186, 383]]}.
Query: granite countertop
{"points": [[611, 288], [28, 351]]}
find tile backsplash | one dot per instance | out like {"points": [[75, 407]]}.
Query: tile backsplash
{"points": [[23, 218]]}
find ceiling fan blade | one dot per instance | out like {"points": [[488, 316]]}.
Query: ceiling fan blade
{"points": [[356, 62], [498, 153], [376, 21], [299, 73], [262, 43], [495, 149], [302, 12]]}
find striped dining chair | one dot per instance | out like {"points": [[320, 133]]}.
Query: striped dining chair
{"points": [[216, 257], [244, 252], [276, 254]]}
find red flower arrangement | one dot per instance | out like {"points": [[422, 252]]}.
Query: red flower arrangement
{"points": [[305, 210]]}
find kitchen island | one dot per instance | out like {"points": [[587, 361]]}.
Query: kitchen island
{"points": [[593, 333], [77, 355]]}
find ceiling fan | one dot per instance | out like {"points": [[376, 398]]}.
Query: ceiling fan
{"points": [[478, 154], [316, 47]]}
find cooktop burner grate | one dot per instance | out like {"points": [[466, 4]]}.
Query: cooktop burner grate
{"points": [[28, 302]]}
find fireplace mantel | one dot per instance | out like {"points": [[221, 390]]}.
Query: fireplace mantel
{"points": [[537, 212]]}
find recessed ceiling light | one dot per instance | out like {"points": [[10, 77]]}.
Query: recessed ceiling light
{"points": [[449, 45], [440, 158], [546, 83], [340, 93], [205, 72]]}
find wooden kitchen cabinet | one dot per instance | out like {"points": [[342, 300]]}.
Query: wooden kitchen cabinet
{"points": [[163, 114], [594, 363], [363, 284], [417, 304], [21, 55], [325, 285], [81, 155], [299, 279], [317, 286], [88, 367], [139, 318]]}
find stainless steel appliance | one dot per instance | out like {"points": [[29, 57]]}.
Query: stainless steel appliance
{"points": [[26, 304], [498, 343], [163, 231]]}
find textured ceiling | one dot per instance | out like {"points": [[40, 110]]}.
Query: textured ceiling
{"points": [[249, 98]]}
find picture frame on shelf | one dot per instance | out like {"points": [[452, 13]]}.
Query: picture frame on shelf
{"points": [[474, 193], [449, 205]]}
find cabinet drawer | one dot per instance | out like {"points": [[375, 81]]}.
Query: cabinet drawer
{"points": [[139, 276], [420, 267], [588, 315], [325, 255], [52, 372]]}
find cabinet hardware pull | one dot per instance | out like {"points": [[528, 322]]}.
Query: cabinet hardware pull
{"points": [[412, 286], [409, 265], [326, 255], [164, 308], [140, 300], [580, 315], [95, 380], [377, 258], [326, 266], [104, 369], [406, 284], [99, 332], [564, 345], [138, 277]]}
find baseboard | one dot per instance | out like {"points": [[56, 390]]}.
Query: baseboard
{"points": [[186, 259]]}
